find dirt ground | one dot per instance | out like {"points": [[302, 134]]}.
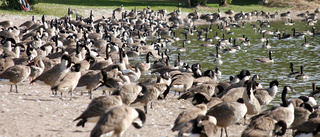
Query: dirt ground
{"points": [[34, 112]]}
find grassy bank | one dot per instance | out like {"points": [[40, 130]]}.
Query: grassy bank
{"points": [[59, 7]]}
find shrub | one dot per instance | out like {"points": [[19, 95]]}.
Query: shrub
{"points": [[198, 2], [14, 4]]}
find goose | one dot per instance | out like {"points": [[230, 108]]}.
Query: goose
{"points": [[89, 81], [6, 24], [284, 36], [204, 89], [284, 112], [69, 81], [129, 92], [96, 108], [266, 127], [5, 63], [178, 62], [252, 103], [301, 113], [103, 64], [150, 95], [263, 39], [50, 76], [180, 82], [229, 12], [116, 120], [305, 44], [302, 75], [266, 45], [265, 60], [208, 77], [15, 75], [202, 125], [187, 115], [228, 113], [307, 127], [186, 38], [37, 68], [292, 73], [182, 49], [146, 66], [285, 14], [265, 96], [133, 75]]}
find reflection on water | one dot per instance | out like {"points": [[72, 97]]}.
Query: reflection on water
{"points": [[285, 51]]}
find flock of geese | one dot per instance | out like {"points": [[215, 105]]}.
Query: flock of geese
{"points": [[78, 54]]}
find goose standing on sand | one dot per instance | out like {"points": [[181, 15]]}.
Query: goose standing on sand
{"points": [[265, 127], [151, 94], [187, 115], [265, 60], [50, 76], [96, 108], [202, 125], [69, 82], [180, 83], [302, 75], [228, 113], [116, 120], [15, 75]]}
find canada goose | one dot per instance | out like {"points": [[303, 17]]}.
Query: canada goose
{"points": [[307, 126], [15, 75], [182, 49], [117, 119], [150, 95], [284, 36], [265, 127], [50, 76], [266, 45], [228, 113], [284, 112], [301, 113], [96, 108], [202, 125], [285, 14], [5, 63], [28, 23], [6, 24], [89, 81], [265, 96], [68, 82], [37, 68], [208, 77], [146, 66], [133, 75], [187, 115], [305, 44], [265, 60], [208, 89], [292, 73], [103, 64], [216, 55], [180, 83], [229, 12], [129, 92], [302, 75], [252, 103], [263, 39]]}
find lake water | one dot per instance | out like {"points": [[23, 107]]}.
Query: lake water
{"points": [[285, 51]]}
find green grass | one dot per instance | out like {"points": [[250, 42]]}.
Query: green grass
{"points": [[59, 7]]}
